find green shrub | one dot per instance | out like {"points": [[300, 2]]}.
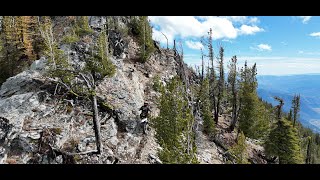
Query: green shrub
{"points": [[142, 29], [69, 39], [156, 83]]}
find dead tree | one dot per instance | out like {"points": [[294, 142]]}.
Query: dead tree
{"points": [[166, 38]]}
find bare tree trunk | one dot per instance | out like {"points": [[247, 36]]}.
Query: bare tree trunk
{"points": [[308, 159], [96, 123], [144, 40], [234, 117], [216, 113], [202, 70], [166, 38]]}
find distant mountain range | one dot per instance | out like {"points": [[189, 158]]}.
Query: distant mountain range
{"points": [[308, 86]]}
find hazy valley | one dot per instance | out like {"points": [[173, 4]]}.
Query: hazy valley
{"points": [[286, 86]]}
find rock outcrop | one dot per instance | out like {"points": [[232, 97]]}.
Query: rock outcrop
{"points": [[38, 127]]}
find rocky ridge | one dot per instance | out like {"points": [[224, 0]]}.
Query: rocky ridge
{"points": [[32, 116]]}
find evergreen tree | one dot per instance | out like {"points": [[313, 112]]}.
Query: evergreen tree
{"points": [[11, 61], [221, 88], [143, 30], [205, 107], [239, 150], [82, 27], [308, 158], [296, 108], [96, 68], [233, 84], [26, 29], [290, 115], [253, 115], [283, 140], [213, 83], [174, 125]]}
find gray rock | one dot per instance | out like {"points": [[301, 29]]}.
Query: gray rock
{"points": [[154, 160], [3, 155], [81, 147], [110, 129], [20, 145], [25, 82], [39, 65], [59, 159], [5, 128], [34, 135], [113, 141], [89, 140]]}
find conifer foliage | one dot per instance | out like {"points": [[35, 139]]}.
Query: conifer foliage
{"points": [[239, 150], [143, 30], [17, 52], [97, 66], [253, 120], [174, 125], [283, 141], [205, 107]]}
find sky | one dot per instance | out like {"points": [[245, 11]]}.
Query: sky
{"points": [[280, 45]]}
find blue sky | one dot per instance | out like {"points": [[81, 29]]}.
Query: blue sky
{"points": [[280, 45]]}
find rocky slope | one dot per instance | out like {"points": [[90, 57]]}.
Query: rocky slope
{"points": [[33, 117]]}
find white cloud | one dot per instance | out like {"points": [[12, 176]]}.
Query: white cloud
{"points": [[305, 19], [247, 30], [243, 19], [194, 45], [317, 53], [158, 36], [191, 26], [262, 47], [315, 34], [254, 20], [269, 65], [227, 40], [284, 43], [240, 19], [283, 65]]}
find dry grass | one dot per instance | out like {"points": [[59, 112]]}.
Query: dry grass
{"points": [[87, 39], [71, 144], [27, 123], [11, 161]]}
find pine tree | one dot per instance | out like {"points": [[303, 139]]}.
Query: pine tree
{"points": [[232, 81], [296, 108], [11, 61], [253, 115], [213, 84], [144, 32], [26, 29], [290, 115], [97, 67], [239, 150], [174, 124], [221, 88], [51, 49], [82, 27], [205, 107], [308, 158], [283, 140]]}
